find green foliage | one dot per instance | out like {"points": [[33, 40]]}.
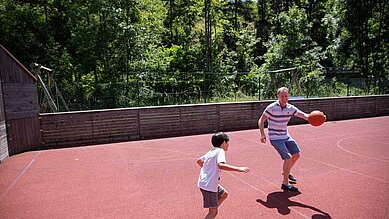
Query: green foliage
{"points": [[123, 53]]}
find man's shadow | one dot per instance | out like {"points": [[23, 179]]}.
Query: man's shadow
{"points": [[280, 200]]}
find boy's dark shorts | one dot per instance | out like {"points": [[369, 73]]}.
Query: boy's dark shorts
{"points": [[211, 198]]}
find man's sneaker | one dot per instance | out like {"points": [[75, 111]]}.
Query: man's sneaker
{"points": [[289, 188], [292, 178]]}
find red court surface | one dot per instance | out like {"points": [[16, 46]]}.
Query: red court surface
{"points": [[343, 172]]}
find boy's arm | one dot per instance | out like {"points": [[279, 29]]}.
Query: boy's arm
{"points": [[227, 167], [200, 162]]}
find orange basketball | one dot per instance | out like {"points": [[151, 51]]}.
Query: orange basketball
{"points": [[316, 118]]}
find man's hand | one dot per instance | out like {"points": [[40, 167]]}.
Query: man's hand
{"points": [[261, 125], [263, 139]]}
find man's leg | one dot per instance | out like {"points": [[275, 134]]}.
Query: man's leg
{"points": [[294, 150], [286, 170], [293, 161], [281, 147]]}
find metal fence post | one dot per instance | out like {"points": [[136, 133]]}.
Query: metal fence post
{"points": [[259, 87]]}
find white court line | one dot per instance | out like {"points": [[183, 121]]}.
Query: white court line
{"points": [[19, 176], [360, 155], [246, 183], [330, 165], [164, 157], [151, 160], [156, 161], [162, 149], [347, 170]]}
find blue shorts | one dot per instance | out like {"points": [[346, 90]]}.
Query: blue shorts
{"points": [[286, 147]]}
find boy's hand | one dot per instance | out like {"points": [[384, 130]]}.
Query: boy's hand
{"points": [[200, 162], [228, 167], [244, 169]]}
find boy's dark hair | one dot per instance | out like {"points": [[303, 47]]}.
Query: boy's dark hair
{"points": [[218, 139]]}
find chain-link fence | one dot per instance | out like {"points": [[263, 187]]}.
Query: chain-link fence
{"points": [[192, 88]]}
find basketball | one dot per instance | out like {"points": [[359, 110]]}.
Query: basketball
{"points": [[316, 118]]}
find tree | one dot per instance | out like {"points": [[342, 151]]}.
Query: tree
{"points": [[293, 47]]}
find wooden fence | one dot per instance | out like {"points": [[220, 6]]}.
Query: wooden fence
{"points": [[107, 126]]}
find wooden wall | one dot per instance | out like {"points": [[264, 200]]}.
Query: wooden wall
{"points": [[20, 104], [3, 134], [107, 126]]}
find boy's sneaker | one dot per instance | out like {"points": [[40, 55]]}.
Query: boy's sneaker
{"points": [[289, 188], [292, 178]]}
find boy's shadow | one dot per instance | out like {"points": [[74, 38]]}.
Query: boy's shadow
{"points": [[280, 200]]}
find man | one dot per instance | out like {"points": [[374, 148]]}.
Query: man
{"points": [[278, 115]]}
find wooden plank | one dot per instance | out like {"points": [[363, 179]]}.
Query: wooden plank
{"points": [[2, 116], [3, 142], [21, 115], [365, 107], [23, 135], [382, 105], [238, 116], [343, 108], [93, 127], [19, 88], [19, 101], [204, 121]]}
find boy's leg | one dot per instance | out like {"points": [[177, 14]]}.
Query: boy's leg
{"points": [[212, 213], [222, 194], [211, 202]]}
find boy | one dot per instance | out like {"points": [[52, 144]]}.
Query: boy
{"points": [[278, 115], [211, 163]]}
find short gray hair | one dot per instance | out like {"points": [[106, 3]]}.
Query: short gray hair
{"points": [[282, 89]]}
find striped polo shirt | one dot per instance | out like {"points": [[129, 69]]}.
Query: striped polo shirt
{"points": [[278, 119]]}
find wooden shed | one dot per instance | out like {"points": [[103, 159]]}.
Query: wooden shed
{"points": [[19, 122]]}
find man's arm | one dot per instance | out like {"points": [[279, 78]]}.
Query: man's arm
{"points": [[302, 115], [227, 167], [261, 125]]}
